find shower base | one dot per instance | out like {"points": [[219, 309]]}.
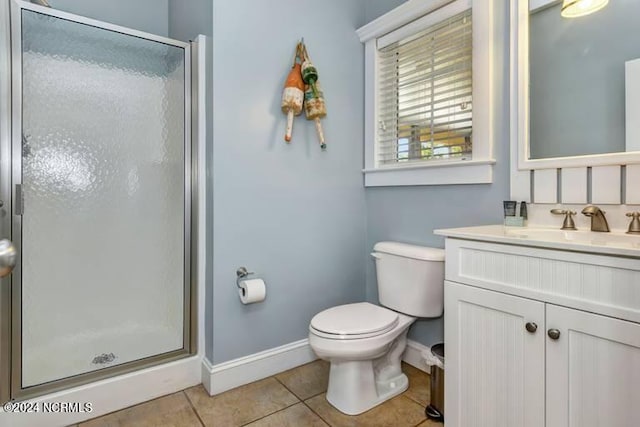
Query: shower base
{"points": [[79, 354]]}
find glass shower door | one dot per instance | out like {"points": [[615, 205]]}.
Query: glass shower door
{"points": [[101, 204]]}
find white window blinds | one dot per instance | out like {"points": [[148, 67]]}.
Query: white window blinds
{"points": [[425, 94]]}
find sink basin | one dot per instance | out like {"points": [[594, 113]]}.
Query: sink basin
{"points": [[591, 238], [614, 243]]}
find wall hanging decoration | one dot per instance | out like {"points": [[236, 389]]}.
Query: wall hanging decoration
{"points": [[302, 88], [314, 105], [293, 95]]}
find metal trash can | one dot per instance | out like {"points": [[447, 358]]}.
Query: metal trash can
{"points": [[435, 410]]}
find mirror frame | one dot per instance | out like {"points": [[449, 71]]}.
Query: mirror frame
{"points": [[520, 100]]}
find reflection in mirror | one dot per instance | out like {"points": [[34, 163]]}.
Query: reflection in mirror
{"points": [[584, 81], [578, 8]]}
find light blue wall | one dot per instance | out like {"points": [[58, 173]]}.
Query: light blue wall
{"points": [[144, 15], [188, 18], [292, 213], [375, 8], [410, 214]]}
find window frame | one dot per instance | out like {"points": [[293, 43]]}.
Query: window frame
{"points": [[408, 19]]}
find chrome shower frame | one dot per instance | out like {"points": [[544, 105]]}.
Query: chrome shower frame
{"points": [[11, 224]]}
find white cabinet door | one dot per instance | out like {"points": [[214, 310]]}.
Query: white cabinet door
{"points": [[494, 367], [593, 370]]}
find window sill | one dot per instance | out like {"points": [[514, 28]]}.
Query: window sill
{"points": [[436, 173]]}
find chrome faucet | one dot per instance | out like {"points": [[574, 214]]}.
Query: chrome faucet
{"points": [[598, 220]]}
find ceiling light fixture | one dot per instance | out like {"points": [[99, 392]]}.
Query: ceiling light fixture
{"points": [[577, 8]]}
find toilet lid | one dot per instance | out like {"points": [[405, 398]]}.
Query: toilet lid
{"points": [[360, 319]]}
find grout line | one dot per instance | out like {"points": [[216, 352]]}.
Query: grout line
{"points": [[270, 414], [411, 398], [194, 408], [315, 395], [405, 393], [257, 419], [297, 397], [304, 401], [287, 388], [317, 414]]}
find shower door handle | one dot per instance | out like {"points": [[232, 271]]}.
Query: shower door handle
{"points": [[7, 257]]}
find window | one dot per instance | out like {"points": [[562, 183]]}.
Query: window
{"points": [[428, 93], [425, 94]]}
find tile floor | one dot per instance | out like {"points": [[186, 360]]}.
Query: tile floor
{"points": [[294, 398]]}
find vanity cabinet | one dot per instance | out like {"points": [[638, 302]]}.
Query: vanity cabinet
{"points": [[494, 367], [539, 337], [593, 370]]}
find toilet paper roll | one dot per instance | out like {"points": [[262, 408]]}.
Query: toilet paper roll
{"points": [[252, 290]]}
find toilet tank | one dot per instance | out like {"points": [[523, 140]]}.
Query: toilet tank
{"points": [[410, 278]]}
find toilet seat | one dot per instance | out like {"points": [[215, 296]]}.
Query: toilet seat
{"points": [[353, 321]]}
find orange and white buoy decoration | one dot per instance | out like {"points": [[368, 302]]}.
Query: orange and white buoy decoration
{"points": [[293, 95]]}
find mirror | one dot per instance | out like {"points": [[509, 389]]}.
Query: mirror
{"points": [[590, 113], [584, 81]]}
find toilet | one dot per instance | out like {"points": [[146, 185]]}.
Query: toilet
{"points": [[364, 342]]}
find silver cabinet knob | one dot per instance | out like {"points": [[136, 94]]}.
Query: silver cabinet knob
{"points": [[554, 334], [7, 257], [531, 327]]}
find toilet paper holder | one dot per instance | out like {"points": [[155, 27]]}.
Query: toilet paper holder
{"points": [[241, 273]]}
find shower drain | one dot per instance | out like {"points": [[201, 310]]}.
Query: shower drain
{"points": [[104, 358]]}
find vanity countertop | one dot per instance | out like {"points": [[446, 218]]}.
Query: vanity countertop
{"points": [[613, 243]]}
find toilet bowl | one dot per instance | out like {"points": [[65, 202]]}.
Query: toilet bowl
{"points": [[365, 367], [364, 342]]}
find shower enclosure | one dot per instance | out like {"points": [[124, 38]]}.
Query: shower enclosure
{"points": [[96, 193]]}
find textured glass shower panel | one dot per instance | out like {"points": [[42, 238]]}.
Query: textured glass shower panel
{"points": [[103, 182]]}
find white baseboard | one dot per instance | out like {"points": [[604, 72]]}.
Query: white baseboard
{"points": [[234, 373], [413, 355], [112, 394]]}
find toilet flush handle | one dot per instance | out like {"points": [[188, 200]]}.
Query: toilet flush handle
{"points": [[375, 255]]}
